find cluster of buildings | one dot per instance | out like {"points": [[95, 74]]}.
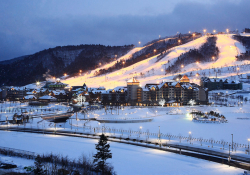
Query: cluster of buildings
{"points": [[216, 83], [169, 93], [51, 91], [172, 93]]}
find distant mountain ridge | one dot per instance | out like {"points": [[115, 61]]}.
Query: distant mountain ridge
{"points": [[59, 60], [13, 60]]}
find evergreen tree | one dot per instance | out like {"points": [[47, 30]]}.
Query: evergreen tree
{"points": [[38, 166], [103, 153]]}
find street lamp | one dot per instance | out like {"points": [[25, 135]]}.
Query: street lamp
{"points": [[248, 145], [193, 35], [229, 158], [190, 136], [214, 31], [232, 142], [204, 31], [182, 66], [139, 43], [140, 131], [159, 135]]}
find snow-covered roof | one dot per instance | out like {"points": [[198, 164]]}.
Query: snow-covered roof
{"points": [[98, 91], [17, 88], [29, 93], [119, 88], [27, 97], [58, 92], [43, 89], [47, 97]]}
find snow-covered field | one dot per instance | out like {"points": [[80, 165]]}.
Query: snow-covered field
{"points": [[126, 159], [129, 159], [172, 120]]}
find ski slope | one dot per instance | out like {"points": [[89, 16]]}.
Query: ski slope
{"points": [[153, 71]]}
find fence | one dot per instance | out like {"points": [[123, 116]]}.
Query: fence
{"points": [[17, 153]]}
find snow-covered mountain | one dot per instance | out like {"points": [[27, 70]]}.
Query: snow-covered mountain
{"points": [[153, 68], [69, 59]]}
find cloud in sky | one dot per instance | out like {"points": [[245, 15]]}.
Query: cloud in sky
{"points": [[30, 26]]}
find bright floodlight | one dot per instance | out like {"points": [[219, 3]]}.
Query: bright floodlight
{"points": [[182, 66], [140, 127], [189, 132], [38, 83]]}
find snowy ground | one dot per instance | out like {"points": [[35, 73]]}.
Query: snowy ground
{"points": [[171, 120], [126, 159]]}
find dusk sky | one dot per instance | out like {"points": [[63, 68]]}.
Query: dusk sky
{"points": [[29, 26]]}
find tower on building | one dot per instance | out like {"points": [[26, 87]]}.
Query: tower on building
{"points": [[132, 86]]}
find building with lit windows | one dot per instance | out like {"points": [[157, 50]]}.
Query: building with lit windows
{"points": [[175, 93]]}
